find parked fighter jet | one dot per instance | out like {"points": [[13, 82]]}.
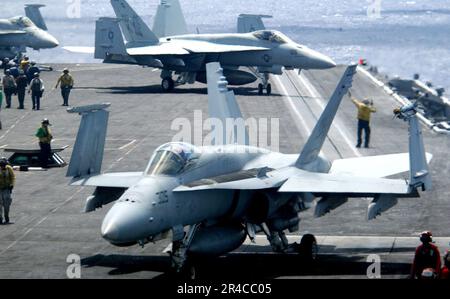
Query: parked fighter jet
{"points": [[19, 33], [186, 55], [211, 198]]}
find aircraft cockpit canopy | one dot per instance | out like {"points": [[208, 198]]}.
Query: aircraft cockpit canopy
{"points": [[272, 36], [22, 22], [170, 159]]}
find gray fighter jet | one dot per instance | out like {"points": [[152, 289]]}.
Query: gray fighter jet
{"points": [[19, 33], [210, 198], [186, 55]]}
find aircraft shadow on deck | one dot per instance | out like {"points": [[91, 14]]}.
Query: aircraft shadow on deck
{"points": [[156, 89], [248, 266]]}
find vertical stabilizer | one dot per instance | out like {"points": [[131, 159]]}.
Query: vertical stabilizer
{"points": [[32, 11], [87, 154], [222, 106], [418, 162], [108, 38], [169, 19], [248, 23], [134, 29], [313, 146]]}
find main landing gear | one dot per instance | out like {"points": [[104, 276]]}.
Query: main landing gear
{"points": [[307, 249], [167, 84], [265, 85]]}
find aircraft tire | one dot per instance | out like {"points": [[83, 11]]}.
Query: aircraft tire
{"points": [[260, 89], [269, 89], [167, 84], [308, 248]]}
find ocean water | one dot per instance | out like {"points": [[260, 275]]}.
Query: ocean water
{"points": [[406, 37]]}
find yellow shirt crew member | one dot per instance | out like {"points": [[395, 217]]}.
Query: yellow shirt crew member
{"points": [[7, 181], [7, 177], [365, 109]]}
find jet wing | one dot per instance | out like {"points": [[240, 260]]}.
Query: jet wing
{"points": [[81, 50], [112, 180], [331, 183], [161, 49], [207, 47], [293, 180], [253, 179], [6, 32], [373, 167], [184, 47]]}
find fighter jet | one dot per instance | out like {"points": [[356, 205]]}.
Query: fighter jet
{"points": [[211, 198], [186, 55], [19, 33]]}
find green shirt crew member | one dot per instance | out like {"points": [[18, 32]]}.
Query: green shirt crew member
{"points": [[45, 139]]}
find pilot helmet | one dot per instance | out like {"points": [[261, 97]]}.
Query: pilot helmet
{"points": [[66, 71]]}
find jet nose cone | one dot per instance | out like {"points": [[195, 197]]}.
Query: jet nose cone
{"points": [[323, 61], [126, 223], [328, 62], [110, 231], [46, 41], [53, 42], [316, 60]]}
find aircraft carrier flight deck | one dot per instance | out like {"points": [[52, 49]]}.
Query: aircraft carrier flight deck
{"points": [[49, 223]]}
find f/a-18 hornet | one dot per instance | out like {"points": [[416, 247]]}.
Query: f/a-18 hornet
{"points": [[212, 197], [186, 55], [19, 33]]}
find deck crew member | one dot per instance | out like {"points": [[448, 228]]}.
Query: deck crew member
{"points": [[7, 180], [9, 87], [37, 90], [365, 109], [66, 81], [45, 139], [427, 256]]}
